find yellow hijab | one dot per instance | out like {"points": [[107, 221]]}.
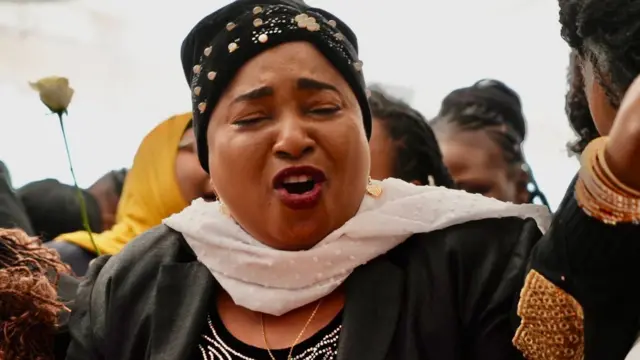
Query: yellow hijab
{"points": [[150, 191]]}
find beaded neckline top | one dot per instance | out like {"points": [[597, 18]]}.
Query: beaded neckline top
{"points": [[217, 343]]}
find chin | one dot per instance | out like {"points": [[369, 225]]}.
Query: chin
{"points": [[300, 235]]}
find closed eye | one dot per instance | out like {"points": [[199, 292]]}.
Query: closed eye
{"points": [[249, 122], [325, 110]]}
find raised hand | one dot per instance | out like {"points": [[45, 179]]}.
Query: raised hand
{"points": [[623, 147]]}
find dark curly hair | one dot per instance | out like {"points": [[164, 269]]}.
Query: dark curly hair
{"points": [[607, 34], [418, 154], [492, 106], [30, 306], [577, 108]]}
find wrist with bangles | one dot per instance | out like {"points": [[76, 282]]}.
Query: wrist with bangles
{"points": [[599, 193]]}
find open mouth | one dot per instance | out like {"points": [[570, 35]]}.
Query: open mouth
{"points": [[298, 184], [298, 180]]}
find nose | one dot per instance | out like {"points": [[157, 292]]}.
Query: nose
{"points": [[293, 140]]}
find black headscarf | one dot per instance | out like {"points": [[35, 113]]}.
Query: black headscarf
{"points": [[221, 43]]}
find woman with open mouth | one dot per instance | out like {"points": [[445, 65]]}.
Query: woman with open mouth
{"points": [[303, 256]]}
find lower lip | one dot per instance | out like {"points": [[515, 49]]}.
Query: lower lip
{"points": [[301, 201]]}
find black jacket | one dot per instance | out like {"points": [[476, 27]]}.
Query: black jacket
{"points": [[444, 295], [67, 287]]}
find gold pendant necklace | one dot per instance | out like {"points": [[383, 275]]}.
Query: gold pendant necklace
{"points": [[295, 342]]}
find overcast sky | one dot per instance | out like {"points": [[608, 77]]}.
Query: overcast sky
{"points": [[123, 59]]}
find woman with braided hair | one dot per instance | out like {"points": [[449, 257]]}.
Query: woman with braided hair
{"points": [[403, 145], [480, 129], [34, 285]]}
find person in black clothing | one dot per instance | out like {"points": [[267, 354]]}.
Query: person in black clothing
{"points": [[53, 207], [48, 208], [480, 130], [582, 283], [403, 144], [303, 255], [12, 212]]}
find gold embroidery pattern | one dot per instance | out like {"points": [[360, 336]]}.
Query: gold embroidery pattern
{"points": [[552, 325]]}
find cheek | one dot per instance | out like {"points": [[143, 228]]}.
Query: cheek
{"points": [[381, 165], [236, 162], [192, 179], [601, 110], [505, 188], [345, 143], [383, 154]]}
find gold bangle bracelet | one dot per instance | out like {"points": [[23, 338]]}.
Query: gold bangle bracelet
{"points": [[599, 194], [617, 183]]}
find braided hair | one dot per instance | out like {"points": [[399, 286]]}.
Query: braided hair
{"points": [[418, 157], [30, 306], [606, 33], [577, 108], [492, 106]]}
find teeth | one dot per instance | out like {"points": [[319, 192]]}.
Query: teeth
{"points": [[297, 179]]}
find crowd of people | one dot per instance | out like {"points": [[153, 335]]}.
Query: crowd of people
{"points": [[298, 212]]}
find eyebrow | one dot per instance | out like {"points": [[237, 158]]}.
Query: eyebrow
{"points": [[302, 84], [311, 84], [255, 94]]}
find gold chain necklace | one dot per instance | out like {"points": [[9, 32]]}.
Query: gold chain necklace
{"points": [[289, 357]]}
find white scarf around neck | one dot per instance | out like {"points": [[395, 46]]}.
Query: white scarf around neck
{"points": [[634, 354], [275, 282]]}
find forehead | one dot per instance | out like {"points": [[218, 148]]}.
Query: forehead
{"points": [[284, 62], [471, 153]]}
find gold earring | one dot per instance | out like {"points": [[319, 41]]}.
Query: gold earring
{"points": [[374, 190]]}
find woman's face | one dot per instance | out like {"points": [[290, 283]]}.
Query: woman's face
{"points": [[192, 179], [383, 152], [477, 165], [601, 110], [289, 148]]}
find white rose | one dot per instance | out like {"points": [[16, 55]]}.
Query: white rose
{"points": [[54, 92]]}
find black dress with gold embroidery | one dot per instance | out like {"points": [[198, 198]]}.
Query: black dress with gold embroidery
{"points": [[581, 300]]}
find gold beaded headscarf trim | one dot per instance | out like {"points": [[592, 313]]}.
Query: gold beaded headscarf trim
{"points": [[224, 41]]}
